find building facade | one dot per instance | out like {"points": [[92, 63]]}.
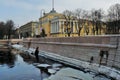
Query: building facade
{"points": [[54, 25], [46, 21], [30, 29]]}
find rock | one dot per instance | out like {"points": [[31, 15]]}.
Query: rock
{"points": [[113, 75], [56, 65], [43, 65], [35, 64], [45, 79], [70, 74], [57, 69], [103, 70], [86, 70], [57, 77], [118, 77], [52, 71]]}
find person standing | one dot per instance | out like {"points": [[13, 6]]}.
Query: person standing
{"points": [[36, 54]]}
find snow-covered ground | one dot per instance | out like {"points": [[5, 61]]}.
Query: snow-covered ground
{"points": [[108, 71]]}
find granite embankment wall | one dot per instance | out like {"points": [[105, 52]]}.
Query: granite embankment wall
{"points": [[81, 48], [4, 44], [10, 41]]}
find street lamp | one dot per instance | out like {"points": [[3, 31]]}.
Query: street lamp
{"points": [[41, 15]]}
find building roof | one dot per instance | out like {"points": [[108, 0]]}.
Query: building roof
{"points": [[29, 23]]}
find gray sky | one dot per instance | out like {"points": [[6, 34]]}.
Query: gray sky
{"points": [[23, 11]]}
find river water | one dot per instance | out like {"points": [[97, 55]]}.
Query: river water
{"points": [[16, 65]]}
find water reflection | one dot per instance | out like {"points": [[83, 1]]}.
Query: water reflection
{"points": [[13, 66], [20, 66], [6, 57], [32, 60]]}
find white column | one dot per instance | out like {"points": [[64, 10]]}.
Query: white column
{"points": [[58, 26], [51, 28], [54, 28], [73, 26], [63, 26]]}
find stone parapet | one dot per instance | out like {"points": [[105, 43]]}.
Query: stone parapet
{"points": [[81, 48]]}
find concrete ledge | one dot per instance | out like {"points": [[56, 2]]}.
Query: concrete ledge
{"points": [[75, 44], [110, 72]]}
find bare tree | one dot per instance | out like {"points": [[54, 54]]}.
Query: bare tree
{"points": [[86, 21], [79, 24], [82, 18], [96, 17], [9, 28], [93, 20], [43, 34], [68, 15], [6, 29], [113, 25], [2, 31]]}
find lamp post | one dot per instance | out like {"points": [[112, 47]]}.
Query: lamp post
{"points": [[41, 15], [18, 32]]}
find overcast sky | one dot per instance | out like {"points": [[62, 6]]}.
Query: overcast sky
{"points": [[23, 11]]}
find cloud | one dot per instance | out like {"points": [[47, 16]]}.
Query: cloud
{"points": [[60, 5], [19, 4], [84, 4], [30, 9]]}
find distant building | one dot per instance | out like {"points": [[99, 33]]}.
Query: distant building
{"points": [[29, 29]]}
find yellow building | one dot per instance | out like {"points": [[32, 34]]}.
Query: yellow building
{"points": [[54, 25], [46, 21], [30, 29]]}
